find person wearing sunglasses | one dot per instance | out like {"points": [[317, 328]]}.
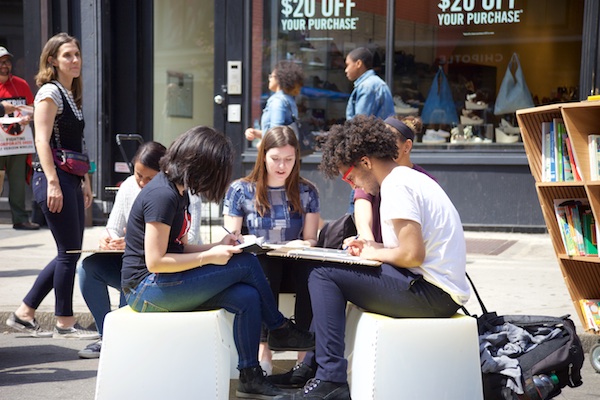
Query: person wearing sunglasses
{"points": [[423, 252]]}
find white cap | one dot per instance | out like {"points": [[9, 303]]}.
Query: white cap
{"points": [[4, 52]]}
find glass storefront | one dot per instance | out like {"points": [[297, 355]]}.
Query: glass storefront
{"points": [[183, 67], [448, 63]]}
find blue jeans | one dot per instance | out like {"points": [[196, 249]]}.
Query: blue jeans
{"points": [[96, 273], [239, 287], [67, 229], [395, 292]]}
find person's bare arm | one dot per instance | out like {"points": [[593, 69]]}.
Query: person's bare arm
{"points": [[363, 218]]}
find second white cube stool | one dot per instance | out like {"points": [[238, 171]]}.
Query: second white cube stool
{"points": [[412, 358]]}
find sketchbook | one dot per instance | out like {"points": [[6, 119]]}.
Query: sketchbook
{"points": [[256, 245], [322, 254], [95, 251]]}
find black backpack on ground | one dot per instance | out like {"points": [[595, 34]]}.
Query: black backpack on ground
{"points": [[561, 355]]}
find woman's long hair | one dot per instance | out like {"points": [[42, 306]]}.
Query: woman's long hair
{"points": [[276, 137], [48, 72]]}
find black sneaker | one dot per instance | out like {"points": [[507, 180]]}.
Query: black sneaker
{"points": [[75, 332], [318, 389], [291, 338], [30, 327], [253, 385], [91, 350], [294, 378]]}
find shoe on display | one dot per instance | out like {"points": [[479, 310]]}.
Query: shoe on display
{"points": [[400, 107], [294, 378], [508, 128], [318, 389], [254, 385], [92, 350], [33, 328], [468, 117], [433, 137], [75, 332], [504, 137], [290, 338]]}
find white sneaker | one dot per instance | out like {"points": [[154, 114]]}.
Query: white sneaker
{"points": [[400, 107], [75, 332], [431, 136], [508, 128]]}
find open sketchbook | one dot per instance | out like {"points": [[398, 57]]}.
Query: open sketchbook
{"points": [[321, 254]]}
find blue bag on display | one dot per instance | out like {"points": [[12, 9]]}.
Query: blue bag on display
{"points": [[514, 93], [439, 107]]}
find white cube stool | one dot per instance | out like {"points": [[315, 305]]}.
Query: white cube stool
{"points": [[176, 355], [412, 358]]}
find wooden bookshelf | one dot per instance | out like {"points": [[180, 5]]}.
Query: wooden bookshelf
{"points": [[581, 273]]}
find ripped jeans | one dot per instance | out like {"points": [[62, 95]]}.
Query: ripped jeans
{"points": [[239, 287]]}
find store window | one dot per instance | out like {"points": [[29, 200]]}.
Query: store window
{"points": [[183, 67], [448, 62]]}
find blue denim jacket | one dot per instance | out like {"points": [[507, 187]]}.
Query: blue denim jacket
{"points": [[371, 96], [278, 111]]}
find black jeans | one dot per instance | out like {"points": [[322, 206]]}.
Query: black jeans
{"points": [[67, 228]]}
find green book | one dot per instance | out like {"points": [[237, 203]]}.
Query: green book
{"points": [[589, 232]]}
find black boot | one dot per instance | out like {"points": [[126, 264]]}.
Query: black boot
{"points": [[253, 385], [294, 378], [291, 338]]}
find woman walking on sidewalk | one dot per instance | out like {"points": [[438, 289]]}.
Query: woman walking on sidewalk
{"points": [[62, 196], [162, 273]]}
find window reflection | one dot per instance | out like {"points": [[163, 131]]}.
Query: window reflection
{"points": [[448, 63]]}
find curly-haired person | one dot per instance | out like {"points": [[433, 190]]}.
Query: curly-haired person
{"points": [[366, 206], [423, 253], [285, 81]]}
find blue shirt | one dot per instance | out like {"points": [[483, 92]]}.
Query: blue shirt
{"points": [[279, 225], [371, 96], [278, 111]]}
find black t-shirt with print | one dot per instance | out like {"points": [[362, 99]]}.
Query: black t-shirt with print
{"points": [[159, 201]]}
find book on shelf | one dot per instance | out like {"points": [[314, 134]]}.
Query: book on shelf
{"points": [[567, 167], [594, 152], [576, 226], [591, 311], [573, 160], [548, 170], [558, 153]]}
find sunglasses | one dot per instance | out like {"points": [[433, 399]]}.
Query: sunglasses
{"points": [[345, 177]]}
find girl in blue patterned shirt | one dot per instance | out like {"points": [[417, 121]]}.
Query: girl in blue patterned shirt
{"points": [[276, 203]]}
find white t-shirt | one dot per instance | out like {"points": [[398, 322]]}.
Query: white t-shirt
{"points": [[128, 191], [410, 195]]}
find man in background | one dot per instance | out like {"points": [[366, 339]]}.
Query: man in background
{"points": [[371, 95], [16, 91]]}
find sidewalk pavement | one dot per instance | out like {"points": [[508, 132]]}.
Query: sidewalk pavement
{"points": [[515, 273]]}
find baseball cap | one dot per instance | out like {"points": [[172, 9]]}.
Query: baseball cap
{"points": [[4, 52]]}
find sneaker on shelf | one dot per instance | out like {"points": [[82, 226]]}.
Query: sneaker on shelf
{"points": [[32, 328], [400, 107], [75, 332], [294, 378], [504, 137], [471, 103], [92, 350], [290, 338], [431, 136], [508, 128], [318, 389], [254, 385], [470, 118]]}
